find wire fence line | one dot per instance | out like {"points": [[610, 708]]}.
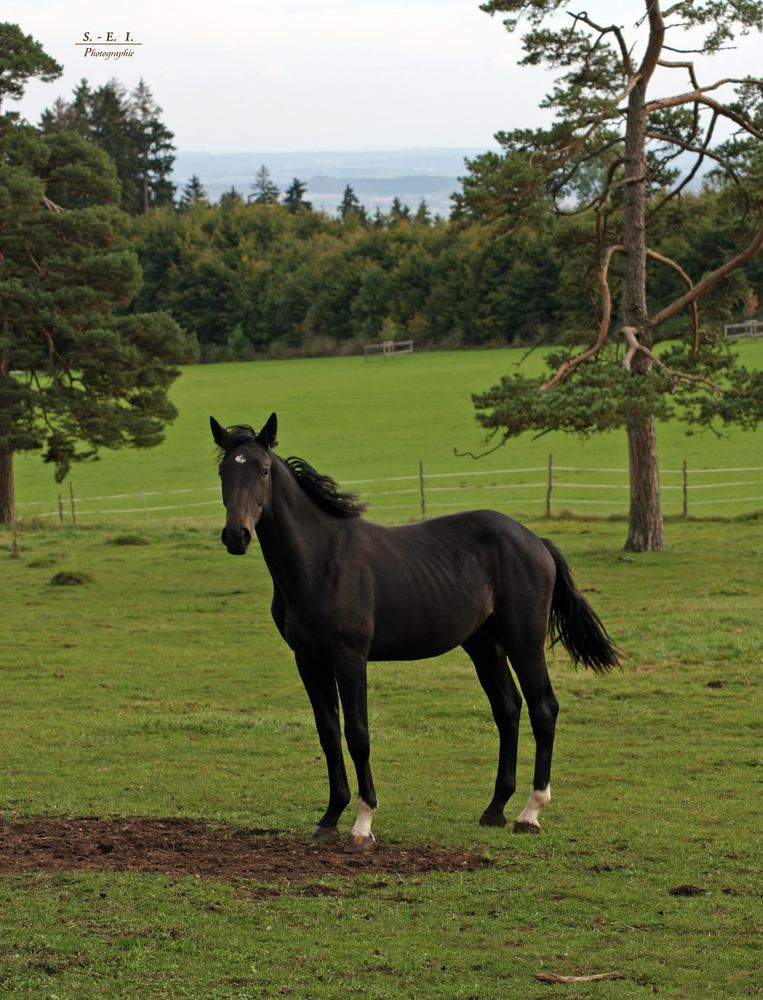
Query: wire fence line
{"points": [[549, 490]]}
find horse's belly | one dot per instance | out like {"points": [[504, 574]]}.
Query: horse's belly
{"points": [[416, 634]]}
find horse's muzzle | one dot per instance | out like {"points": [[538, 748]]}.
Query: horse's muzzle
{"points": [[236, 540]]}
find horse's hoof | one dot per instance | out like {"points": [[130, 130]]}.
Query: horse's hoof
{"points": [[489, 818], [524, 827], [357, 843], [324, 834]]}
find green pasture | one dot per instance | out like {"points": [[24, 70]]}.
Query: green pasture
{"points": [[161, 688], [371, 424]]}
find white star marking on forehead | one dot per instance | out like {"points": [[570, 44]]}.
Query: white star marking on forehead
{"points": [[240, 459]]}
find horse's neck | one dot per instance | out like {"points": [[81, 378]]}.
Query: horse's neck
{"points": [[293, 532]]}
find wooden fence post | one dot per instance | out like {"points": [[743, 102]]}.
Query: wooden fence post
{"points": [[421, 490], [550, 487], [685, 509], [72, 501], [60, 508]]}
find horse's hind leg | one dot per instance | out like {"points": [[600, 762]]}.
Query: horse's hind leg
{"points": [[493, 672], [529, 662]]}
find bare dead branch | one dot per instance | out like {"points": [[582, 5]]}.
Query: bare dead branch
{"points": [[698, 52], [683, 64], [675, 8], [689, 284], [610, 29], [631, 340], [39, 269], [600, 200], [482, 454], [702, 152], [553, 977], [700, 97], [673, 375], [566, 368], [584, 159], [51, 205], [709, 281]]}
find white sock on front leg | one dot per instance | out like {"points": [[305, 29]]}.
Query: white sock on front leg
{"points": [[364, 819]]}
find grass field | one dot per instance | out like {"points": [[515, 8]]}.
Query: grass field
{"points": [[363, 423], [160, 688]]}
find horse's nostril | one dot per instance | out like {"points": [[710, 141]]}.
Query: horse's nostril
{"points": [[246, 536], [223, 537]]}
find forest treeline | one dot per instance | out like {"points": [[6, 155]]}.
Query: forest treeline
{"points": [[263, 274], [257, 279]]}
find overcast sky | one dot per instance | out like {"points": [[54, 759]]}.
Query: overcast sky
{"points": [[288, 75]]}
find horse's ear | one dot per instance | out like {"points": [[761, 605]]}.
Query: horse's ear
{"points": [[218, 433], [267, 436]]}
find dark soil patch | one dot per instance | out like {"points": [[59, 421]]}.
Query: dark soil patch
{"points": [[68, 579], [191, 847], [687, 890]]}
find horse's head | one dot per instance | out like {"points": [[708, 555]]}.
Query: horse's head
{"points": [[245, 474]]}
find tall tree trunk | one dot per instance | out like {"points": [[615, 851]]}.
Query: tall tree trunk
{"points": [[7, 508], [645, 519]]}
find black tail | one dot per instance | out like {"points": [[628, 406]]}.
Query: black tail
{"points": [[574, 622]]}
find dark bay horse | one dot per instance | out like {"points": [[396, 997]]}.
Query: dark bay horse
{"points": [[346, 591]]}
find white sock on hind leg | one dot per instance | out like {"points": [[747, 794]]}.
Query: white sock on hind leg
{"points": [[537, 800]]}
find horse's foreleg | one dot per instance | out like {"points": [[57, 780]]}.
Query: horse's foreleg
{"points": [[493, 672], [351, 676], [321, 689]]}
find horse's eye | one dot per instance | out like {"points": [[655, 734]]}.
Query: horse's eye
{"points": [[265, 473]]}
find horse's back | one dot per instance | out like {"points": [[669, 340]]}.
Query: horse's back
{"points": [[436, 582]]}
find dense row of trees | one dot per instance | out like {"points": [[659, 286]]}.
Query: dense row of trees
{"points": [[250, 278]]}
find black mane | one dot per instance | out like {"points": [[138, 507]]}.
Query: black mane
{"points": [[322, 490]]}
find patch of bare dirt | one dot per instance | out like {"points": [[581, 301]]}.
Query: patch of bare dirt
{"points": [[177, 846]]}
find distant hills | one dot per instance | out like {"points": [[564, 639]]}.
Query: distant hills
{"points": [[376, 176]]}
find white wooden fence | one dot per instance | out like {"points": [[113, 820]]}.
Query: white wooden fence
{"points": [[388, 348], [540, 491], [748, 328]]}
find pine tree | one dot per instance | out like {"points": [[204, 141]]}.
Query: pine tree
{"points": [[399, 212], [264, 191], [423, 216], [350, 208], [294, 198], [155, 149], [623, 144], [128, 128], [231, 198], [193, 193], [75, 374]]}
